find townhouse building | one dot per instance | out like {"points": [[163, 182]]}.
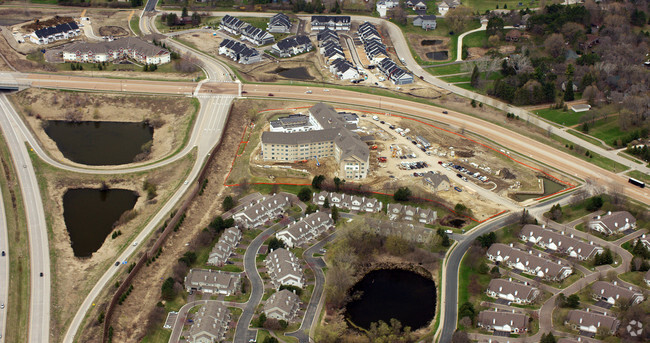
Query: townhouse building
{"points": [[394, 73], [348, 202], [292, 46], [646, 278], [284, 268], [411, 213], [210, 323], [336, 23], [232, 25], [212, 281], [120, 49], [503, 321], [239, 52], [344, 69], [327, 35], [558, 242], [256, 35], [306, 229], [259, 212], [589, 321], [279, 23], [224, 247], [611, 292], [282, 305], [512, 291], [612, 222], [535, 264], [55, 33]]}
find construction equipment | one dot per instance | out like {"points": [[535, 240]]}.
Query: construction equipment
{"points": [[374, 147], [381, 159]]}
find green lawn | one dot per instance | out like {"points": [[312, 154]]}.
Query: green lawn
{"points": [[483, 5], [447, 69], [476, 39], [607, 129], [467, 77], [634, 278], [587, 138], [466, 274], [442, 30], [639, 176], [596, 159], [566, 118], [578, 210], [160, 335], [135, 25]]}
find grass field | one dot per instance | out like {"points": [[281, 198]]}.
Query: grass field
{"points": [[566, 118], [135, 25], [467, 77], [587, 138], [447, 69], [442, 30], [639, 176], [596, 159], [607, 129], [578, 210], [476, 39], [483, 5]]}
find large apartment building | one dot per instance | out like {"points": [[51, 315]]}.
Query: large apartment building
{"points": [[330, 135], [119, 49]]}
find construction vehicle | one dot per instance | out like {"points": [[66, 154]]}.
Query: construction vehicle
{"points": [[381, 159], [374, 147]]}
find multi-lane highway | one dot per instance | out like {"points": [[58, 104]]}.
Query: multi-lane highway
{"points": [[4, 269]]}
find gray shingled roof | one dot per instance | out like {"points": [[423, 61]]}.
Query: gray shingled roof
{"points": [[140, 46]]}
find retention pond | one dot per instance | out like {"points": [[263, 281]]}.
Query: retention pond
{"points": [[90, 215], [392, 293], [99, 142], [438, 55]]}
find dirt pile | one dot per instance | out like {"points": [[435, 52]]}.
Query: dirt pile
{"points": [[506, 174]]}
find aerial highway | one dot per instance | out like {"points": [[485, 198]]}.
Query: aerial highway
{"points": [[39, 306], [4, 269]]}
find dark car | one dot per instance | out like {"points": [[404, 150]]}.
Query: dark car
{"points": [[41, 274], [3, 253], [117, 263], [445, 112], [270, 94], [383, 122], [459, 176], [421, 77], [244, 92]]}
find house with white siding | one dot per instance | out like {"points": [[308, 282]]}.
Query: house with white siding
{"points": [[348, 202], [284, 268], [259, 212], [559, 242], [224, 247], [590, 321], [612, 292], [503, 321], [306, 229], [55, 33], [119, 49], [411, 213], [282, 305], [612, 222], [279, 23], [210, 323], [212, 281], [535, 264], [512, 291]]}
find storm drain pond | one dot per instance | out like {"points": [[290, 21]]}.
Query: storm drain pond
{"points": [[99, 143], [300, 73], [392, 293], [438, 55], [89, 215], [550, 187]]}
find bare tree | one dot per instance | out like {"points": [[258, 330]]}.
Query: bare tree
{"points": [[458, 17], [554, 44]]}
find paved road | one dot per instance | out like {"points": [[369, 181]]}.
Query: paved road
{"points": [[242, 332], [39, 307], [313, 308], [4, 269]]}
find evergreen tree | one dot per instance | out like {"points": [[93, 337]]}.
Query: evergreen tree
{"points": [[326, 204], [568, 93], [335, 213], [475, 77]]}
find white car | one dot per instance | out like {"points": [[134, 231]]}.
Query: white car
{"points": [[135, 243], [308, 92], [326, 90]]}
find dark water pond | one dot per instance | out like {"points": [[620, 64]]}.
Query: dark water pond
{"points": [[550, 187], [90, 214], [300, 73], [428, 42], [393, 293], [99, 142], [438, 55]]}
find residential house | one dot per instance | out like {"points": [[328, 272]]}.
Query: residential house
{"points": [[344, 69], [420, 6], [612, 222], [239, 52], [348, 202], [512, 291], [375, 51], [437, 182], [306, 229], [612, 292], [327, 35], [52, 34], [427, 22], [279, 23], [591, 41], [368, 32], [393, 72], [645, 240], [537, 265], [410, 213], [224, 247], [384, 5], [210, 323], [332, 51], [284, 268], [282, 305], [513, 36], [265, 209], [292, 46], [120, 49], [212, 281], [256, 35], [336, 23], [558, 242], [445, 5], [232, 24], [591, 321], [503, 321]]}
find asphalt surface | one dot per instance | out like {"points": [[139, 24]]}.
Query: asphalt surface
{"points": [[242, 333], [150, 6], [39, 307], [4, 270]]}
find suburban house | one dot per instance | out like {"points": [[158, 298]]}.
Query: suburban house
{"points": [[306, 229], [327, 35], [591, 321], [375, 51], [512, 291], [344, 69], [348, 202], [437, 182], [393, 72], [256, 35], [537, 265], [239, 52], [258, 213], [645, 240], [232, 24], [558, 242], [513, 36], [410, 213], [612, 222], [212, 281], [210, 323], [368, 32], [284, 268], [332, 51], [420, 6], [407, 231], [580, 108], [279, 23], [224, 247], [446, 5], [52, 34], [384, 5], [120, 49], [332, 136], [427, 22], [611, 292], [282, 305], [503, 321], [292, 46], [336, 23]]}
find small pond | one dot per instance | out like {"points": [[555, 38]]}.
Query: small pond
{"points": [[427, 42], [89, 215], [392, 293], [300, 73], [99, 142], [438, 55], [550, 187]]}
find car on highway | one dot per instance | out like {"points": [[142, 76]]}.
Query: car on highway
{"points": [[445, 112], [326, 90], [2, 306], [3, 253], [308, 92], [41, 274], [135, 243], [270, 94]]}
